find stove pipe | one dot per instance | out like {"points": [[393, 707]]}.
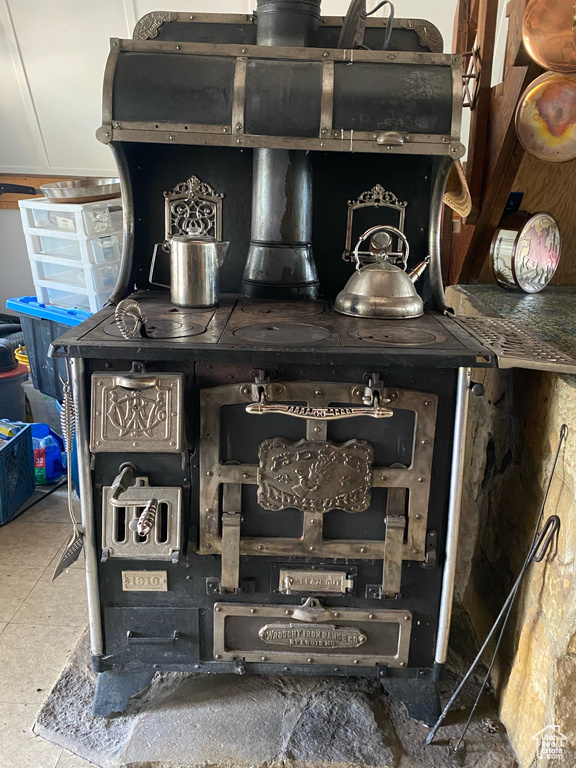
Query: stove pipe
{"points": [[280, 264]]}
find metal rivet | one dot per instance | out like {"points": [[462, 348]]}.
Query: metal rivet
{"points": [[174, 413], [406, 618], [324, 131], [238, 126], [313, 521], [322, 144], [260, 547], [218, 609], [196, 666], [226, 129], [371, 616], [208, 396], [116, 123], [115, 44], [363, 549], [312, 549], [238, 141], [356, 661], [318, 392], [418, 517], [107, 134], [415, 551], [325, 54], [423, 442], [245, 475], [208, 435], [383, 477], [406, 138], [263, 658], [391, 57], [454, 149], [217, 656], [389, 146], [156, 666], [285, 669], [208, 546], [136, 444], [244, 50], [309, 661], [316, 429], [252, 610], [432, 533], [172, 442], [288, 613], [209, 473], [445, 139], [402, 663], [178, 47], [171, 137], [188, 578], [420, 479], [98, 442], [427, 402]]}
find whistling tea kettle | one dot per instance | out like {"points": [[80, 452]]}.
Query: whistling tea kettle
{"points": [[382, 289]]}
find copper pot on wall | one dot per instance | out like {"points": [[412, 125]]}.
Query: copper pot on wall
{"points": [[549, 34]]}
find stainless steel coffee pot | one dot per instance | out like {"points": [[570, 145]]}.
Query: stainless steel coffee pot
{"points": [[194, 266], [382, 289]]}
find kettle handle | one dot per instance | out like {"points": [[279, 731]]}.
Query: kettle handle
{"points": [[381, 228]]}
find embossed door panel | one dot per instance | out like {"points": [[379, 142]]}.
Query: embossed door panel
{"points": [[137, 412]]}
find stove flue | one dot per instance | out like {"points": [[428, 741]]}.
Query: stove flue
{"points": [[280, 262]]}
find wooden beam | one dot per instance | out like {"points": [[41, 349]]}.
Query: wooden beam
{"points": [[485, 40]]}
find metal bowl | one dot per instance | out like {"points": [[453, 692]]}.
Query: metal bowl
{"points": [[84, 190]]}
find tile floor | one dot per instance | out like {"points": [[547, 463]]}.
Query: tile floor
{"points": [[40, 623]]}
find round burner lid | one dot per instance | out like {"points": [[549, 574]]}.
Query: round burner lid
{"points": [[281, 333], [284, 308], [162, 328], [398, 336]]}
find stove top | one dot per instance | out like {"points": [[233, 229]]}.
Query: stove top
{"points": [[239, 325]]}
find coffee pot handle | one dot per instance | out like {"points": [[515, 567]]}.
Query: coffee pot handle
{"points": [[153, 264]]}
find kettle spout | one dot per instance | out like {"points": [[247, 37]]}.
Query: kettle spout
{"points": [[221, 251], [419, 269]]}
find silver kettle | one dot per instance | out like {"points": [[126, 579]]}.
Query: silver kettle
{"points": [[382, 289]]}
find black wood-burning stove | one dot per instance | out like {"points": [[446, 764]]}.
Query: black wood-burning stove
{"points": [[268, 486]]}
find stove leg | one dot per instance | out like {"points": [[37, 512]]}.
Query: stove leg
{"points": [[420, 697], [115, 689]]}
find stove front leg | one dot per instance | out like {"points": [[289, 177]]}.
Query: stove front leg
{"points": [[420, 696], [115, 689]]}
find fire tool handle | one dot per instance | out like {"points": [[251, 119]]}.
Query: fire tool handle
{"points": [[542, 543]]}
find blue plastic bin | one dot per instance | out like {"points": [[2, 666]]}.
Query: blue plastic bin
{"points": [[16, 473], [41, 324]]}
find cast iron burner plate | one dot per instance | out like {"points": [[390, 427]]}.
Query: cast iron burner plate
{"points": [[163, 328], [284, 308], [399, 336], [281, 333]]}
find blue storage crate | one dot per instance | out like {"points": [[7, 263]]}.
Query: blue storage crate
{"points": [[16, 473], [41, 324]]}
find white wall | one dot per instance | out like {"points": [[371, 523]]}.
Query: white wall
{"points": [[52, 59]]}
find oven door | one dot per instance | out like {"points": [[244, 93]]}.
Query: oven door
{"points": [[335, 471]]}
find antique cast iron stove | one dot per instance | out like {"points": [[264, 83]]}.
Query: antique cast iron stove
{"points": [[268, 486]]}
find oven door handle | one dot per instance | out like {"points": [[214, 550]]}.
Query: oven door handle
{"points": [[329, 413]]}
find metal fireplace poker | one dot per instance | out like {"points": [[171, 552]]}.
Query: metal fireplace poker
{"points": [[270, 486]]}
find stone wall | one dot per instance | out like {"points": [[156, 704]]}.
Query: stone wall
{"points": [[513, 432]]}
